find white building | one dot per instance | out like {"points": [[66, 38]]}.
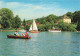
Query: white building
{"points": [[66, 19]]}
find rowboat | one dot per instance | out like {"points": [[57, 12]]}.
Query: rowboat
{"points": [[16, 37]]}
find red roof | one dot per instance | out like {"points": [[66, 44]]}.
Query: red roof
{"points": [[27, 23], [37, 23], [57, 22]]}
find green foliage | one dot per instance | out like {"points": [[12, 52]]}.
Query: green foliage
{"points": [[70, 15], [6, 17], [66, 27], [41, 27], [24, 23], [7, 20], [76, 19], [48, 26], [48, 22], [44, 27], [0, 19], [27, 27], [29, 21], [51, 19], [17, 22]]}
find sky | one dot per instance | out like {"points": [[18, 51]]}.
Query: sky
{"points": [[33, 9]]}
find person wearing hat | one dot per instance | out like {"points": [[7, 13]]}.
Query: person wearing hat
{"points": [[16, 33]]}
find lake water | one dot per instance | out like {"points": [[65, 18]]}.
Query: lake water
{"points": [[41, 44]]}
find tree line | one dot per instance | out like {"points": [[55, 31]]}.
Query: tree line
{"points": [[49, 21], [8, 20]]}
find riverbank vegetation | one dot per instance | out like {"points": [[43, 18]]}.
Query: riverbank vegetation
{"points": [[9, 21], [49, 21]]}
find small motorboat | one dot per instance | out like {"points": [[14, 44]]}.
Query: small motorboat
{"points": [[16, 37], [54, 30]]}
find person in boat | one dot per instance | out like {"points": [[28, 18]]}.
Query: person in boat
{"points": [[16, 33], [26, 34]]}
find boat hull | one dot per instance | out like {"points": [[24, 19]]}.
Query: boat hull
{"points": [[17, 37], [34, 31]]}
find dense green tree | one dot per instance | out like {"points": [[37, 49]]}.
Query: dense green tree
{"points": [[66, 27], [6, 17], [48, 26], [41, 27], [70, 15], [52, 18], [76, 19], [24, 23], [17, 22], [27, 27], [0, 19]]}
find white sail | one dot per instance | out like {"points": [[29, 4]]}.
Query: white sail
{"points": [[30, 28], [34, 25]]}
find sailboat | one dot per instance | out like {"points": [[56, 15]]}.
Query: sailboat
{"points": [[33, 28]]}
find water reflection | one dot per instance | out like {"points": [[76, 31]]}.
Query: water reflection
{"points": [[34, 34]]}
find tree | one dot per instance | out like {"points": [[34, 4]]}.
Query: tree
{"points": [[24, 23], [0, 19], [70, 15], [52, 18], [27, 27], [6, 17], [66, 27], [17, 22], [76, 19], [48, 26]]}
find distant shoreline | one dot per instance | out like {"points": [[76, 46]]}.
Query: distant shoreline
{"points": [[23, 30]]}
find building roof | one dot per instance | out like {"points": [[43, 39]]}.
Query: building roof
{"points": [[65, 17], [37, 23]]}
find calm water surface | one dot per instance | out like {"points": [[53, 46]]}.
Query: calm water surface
{"points": [[41, 44]]}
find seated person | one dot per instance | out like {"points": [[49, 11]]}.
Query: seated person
{"points": [[25, 34], [16, 33]]}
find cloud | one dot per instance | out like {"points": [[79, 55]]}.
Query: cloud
{"points": [[13, 4], [30, 11], [1, 3]]}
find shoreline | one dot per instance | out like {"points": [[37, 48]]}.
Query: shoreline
{"points": [[23, 30], [10, 30]]}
